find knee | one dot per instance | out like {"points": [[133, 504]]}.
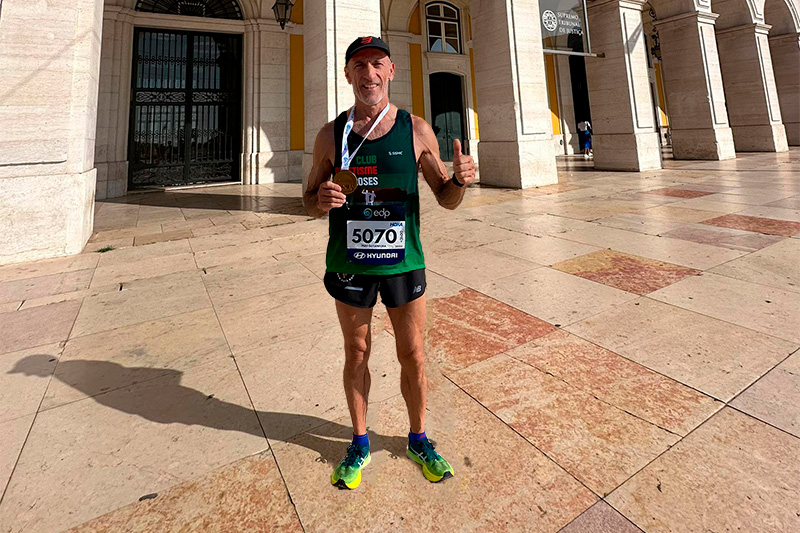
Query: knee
{"points": [[414, 356], [356, 354]]}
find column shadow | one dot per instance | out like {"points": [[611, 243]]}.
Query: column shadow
{"points": [[168, 402]]}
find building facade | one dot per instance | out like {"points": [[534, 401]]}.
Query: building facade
{"points": [[102, 97]]}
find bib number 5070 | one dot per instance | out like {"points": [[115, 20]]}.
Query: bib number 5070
{"points": [[377, 236]]}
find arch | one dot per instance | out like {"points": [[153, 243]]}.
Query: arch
{"points": [[222, 9], [783, 15], [734, 13]]}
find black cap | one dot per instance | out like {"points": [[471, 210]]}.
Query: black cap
{"points": [[362, 43]]}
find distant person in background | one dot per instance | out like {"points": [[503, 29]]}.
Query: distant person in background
{"points": [[586, 133]]}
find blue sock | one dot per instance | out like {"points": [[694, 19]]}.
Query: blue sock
{"points": [[361, 440], [416, 437]]}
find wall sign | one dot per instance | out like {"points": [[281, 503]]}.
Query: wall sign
{"points": [[564, 27]]}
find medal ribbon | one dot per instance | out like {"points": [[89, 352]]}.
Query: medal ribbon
{"points": [[346, 156]]}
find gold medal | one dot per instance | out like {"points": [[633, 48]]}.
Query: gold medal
{"points": [[346, 180]]}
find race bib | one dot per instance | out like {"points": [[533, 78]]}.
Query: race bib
{"points": [[376, 235]]}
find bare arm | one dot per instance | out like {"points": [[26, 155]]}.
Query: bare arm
{"points": [[448, 194], [322, 195]]}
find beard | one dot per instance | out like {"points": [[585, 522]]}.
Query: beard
{"points": [[372, 98]]}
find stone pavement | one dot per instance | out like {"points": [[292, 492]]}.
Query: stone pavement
{"points": [[612, 354]]}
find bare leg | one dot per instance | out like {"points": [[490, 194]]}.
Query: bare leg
{"points": [[408, 322], [355, 324]]}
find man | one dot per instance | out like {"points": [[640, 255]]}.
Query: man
{"points": [[373, 152], [586, 132]]}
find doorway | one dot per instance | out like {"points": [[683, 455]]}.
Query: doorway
{"points": [[185, 125], [447, 112]]}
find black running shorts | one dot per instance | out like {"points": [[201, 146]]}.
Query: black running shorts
{"points": [[362, 291]]}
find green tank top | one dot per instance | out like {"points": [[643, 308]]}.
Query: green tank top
{"points": [[377, 231]]}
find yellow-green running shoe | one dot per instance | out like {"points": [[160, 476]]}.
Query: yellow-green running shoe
{"points": [[347, 474], [434, 467]]}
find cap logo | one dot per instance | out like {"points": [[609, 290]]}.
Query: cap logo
{"points": [[366, 40]]}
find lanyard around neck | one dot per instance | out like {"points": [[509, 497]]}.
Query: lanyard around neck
{"points": [[347, 157]]}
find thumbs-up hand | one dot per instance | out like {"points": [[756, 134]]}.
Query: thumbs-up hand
{"points": [[463, 165]]}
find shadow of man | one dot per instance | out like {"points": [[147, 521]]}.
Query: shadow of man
{"points": [[159, 397]]}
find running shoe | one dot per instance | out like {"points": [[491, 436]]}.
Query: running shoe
{"points": [[434, 467], [347, 474]]}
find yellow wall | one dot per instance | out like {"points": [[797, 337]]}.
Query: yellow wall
{"points": [[297, 12], [296, 97], [417, 87], [662, 102], [414, 24], [552, 92], [474, 92]]}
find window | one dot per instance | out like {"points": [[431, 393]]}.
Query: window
{"points": [[223, 9], [444, 28]]}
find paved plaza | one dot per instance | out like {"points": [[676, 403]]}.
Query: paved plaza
{"points": [[612, 354]]}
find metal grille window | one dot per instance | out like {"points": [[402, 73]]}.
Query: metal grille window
{"points": [[219, 9], [444, 28]]}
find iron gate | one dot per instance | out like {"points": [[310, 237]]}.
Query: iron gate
{"points": [[185, 122]]}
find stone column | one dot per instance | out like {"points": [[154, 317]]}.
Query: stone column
{"points": [[693, 82], [624, 131], [516, 148], [329, 26], [113, 107], [785, 52], [400, 89], [750, 92], [49, 69], [265, 153]]}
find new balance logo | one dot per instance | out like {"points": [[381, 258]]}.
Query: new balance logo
{"points": [[418, 289]]}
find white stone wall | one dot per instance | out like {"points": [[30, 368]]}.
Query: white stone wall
{"points": [[49, 63]]}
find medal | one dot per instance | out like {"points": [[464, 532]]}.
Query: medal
{"points": [[346, 180]]}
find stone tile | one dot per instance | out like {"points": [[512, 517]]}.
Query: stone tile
{"points": [[123, 231], [207, 231], [597, 443], [124, 242], [618, 381], [293, 400], [139, 253], [110, 360], [777, 266], [87, 458], [766, 309], [601, 518], [29, 288], [24, 378], [675, 251], [38, 326], [704, 204], [749, 473], [470, 327], [175, 294], [259, 252], [715, 357], [477, 266], [749, 196], [227, 283], [774, 398], [461, 235], [174, 235], [247, 495], [775, 213], [302, 244], [792, 202], [625, 272], [541, 249], [231, 238], [12, 437], [10, 306], [554, 296], [265, 320], [152, 267], [440, 286], [469, 437], [194, 224], [641, 223], [679, 193], [46, 267], [761, 225], [733, 239], [678, 214]]}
